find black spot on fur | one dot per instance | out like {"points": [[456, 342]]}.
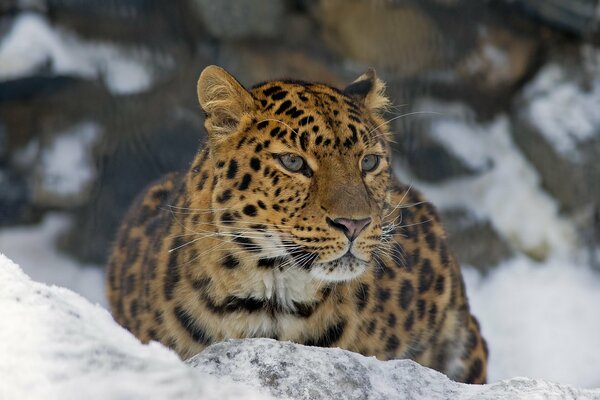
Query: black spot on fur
{"points": [[160, 195], [372, 326], [247, 243], [224, 197], [279, 95], [474, 371], [267, 263], [433, 311], [306, 120], [391, 320], [431, 241], [392, 344], [255, 163], [274, 131], [232, 170], [406, 294], [426, 276], [362, 296], [284, 106], [245, 182], [191, 326], [271, 90], [329, 337], [440, 283], [133, 252], [230, 262], [129, 285], [409, 321], [202, 181], [383, 295], [173, 276], [421, 305], [304, 140], [250, 210], [261, 125], [444, 258], [227, 218]]}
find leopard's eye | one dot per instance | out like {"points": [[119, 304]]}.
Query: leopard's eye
{"points": [[292, 162], [369, 162]]}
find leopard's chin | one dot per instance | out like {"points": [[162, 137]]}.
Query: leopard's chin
{"points": [[343, 269]]}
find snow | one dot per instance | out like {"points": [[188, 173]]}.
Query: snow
{"points": [[56, 345], [508, 192], [565, 113], [540, 320], [65, 165], [33, 45], [34, 247]]}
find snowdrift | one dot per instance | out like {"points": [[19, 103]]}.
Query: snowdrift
{"points": [[54, 344]]}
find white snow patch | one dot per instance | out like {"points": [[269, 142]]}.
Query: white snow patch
{"points": [[33, 44], [565, 113], [508, 192], [56, 345], [65, 168], [540, 320], [34, 247]]}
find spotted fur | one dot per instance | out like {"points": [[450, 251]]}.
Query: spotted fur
{"points": [[240, 246]]}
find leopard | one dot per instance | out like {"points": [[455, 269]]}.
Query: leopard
{"points": [[290, 224]]}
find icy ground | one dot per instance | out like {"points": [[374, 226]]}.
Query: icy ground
{"points": [[56, 345]]}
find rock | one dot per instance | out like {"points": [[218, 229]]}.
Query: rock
{"points": [[428, 159], [475, 242], [64, 170], [50, 329], [401, 38], [270, 62], [241, 19], [572, 16], [124, 171], [500, 60], [557, 125], [15, 204]]}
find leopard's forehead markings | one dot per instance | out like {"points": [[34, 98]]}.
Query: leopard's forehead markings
{"points": [[321, 116]]}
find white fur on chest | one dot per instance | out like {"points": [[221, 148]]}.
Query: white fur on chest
{"points": [[286, 288]]}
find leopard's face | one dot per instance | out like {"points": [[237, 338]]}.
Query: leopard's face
{"points": [[303, 180]]}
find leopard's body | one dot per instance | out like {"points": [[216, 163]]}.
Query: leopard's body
{"points": [[243, 245]]}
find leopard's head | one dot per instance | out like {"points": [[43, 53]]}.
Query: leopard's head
{"points": [[302, 170]]}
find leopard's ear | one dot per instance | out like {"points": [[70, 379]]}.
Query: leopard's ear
{"points": [[224, 100], [369, 90]]}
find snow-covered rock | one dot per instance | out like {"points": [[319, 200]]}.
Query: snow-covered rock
{"points": [[557, 125], [34, 45], [56, 345]]}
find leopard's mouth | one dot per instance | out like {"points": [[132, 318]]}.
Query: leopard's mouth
{"points": [[344, 268]]}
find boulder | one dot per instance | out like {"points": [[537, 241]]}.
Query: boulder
{"points": [[475, 241], [241, 19], [557, 126]]}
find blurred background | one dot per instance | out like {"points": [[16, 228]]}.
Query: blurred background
{"points": [[496, 119]]}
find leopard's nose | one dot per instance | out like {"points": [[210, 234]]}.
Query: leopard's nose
{"points": [[351, 227]]}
